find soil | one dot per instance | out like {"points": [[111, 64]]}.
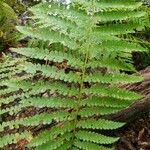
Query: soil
{"points": [[136, 135]]}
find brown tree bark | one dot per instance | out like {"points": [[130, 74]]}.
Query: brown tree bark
{"points": [[139, 107]]}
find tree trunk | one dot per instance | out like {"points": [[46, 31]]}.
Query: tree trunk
{"points": [[139, 107]]}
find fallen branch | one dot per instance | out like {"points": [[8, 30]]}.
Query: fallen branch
{"points": [[139, 107]]}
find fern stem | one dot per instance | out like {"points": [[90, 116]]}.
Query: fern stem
{"points": [[86, 47], [79, 96]]}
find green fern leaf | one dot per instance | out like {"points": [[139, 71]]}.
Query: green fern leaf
{"points": [[13, 138], [99, 124], [108, 102], [56, 56], [95, 137], [48, 135], [112, 78], [112, 92], [92, 111], [88, 146], [55, 144], [52, 72]]}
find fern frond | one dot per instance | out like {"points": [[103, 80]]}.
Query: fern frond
{"points": [[74, 63], [119, 15], [40, 103], [70, 15], [104, 5], [88, 146], [56, 144], [10, 68], [95, 137], [40, 87], [112, 78], [55, 56], [14, 138], [47, 34], [66, 145], [8, 90], [92, 111], [105, 101], [44, 118], [50, 102], [52, 72], [121, 45], [7, 69], [110, 63], [112, 92], [14, 97], [120, 29], [51, 134], [99, 124]]}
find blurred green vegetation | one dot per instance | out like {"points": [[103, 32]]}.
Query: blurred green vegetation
{"points": [[9, 12], [8, 18], [18, 6]]}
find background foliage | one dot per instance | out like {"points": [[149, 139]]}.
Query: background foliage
{"points": [[7, 23]]}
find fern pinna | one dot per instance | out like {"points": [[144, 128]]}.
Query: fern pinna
{"points": [[64, 82]]}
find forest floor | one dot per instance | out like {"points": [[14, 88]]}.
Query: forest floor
{"points": [[135, 135]]}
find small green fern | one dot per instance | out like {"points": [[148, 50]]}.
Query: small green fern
{"points": [[71, 85]]}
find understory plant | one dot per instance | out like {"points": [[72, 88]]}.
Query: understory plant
{"points": [[60, 92]]}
